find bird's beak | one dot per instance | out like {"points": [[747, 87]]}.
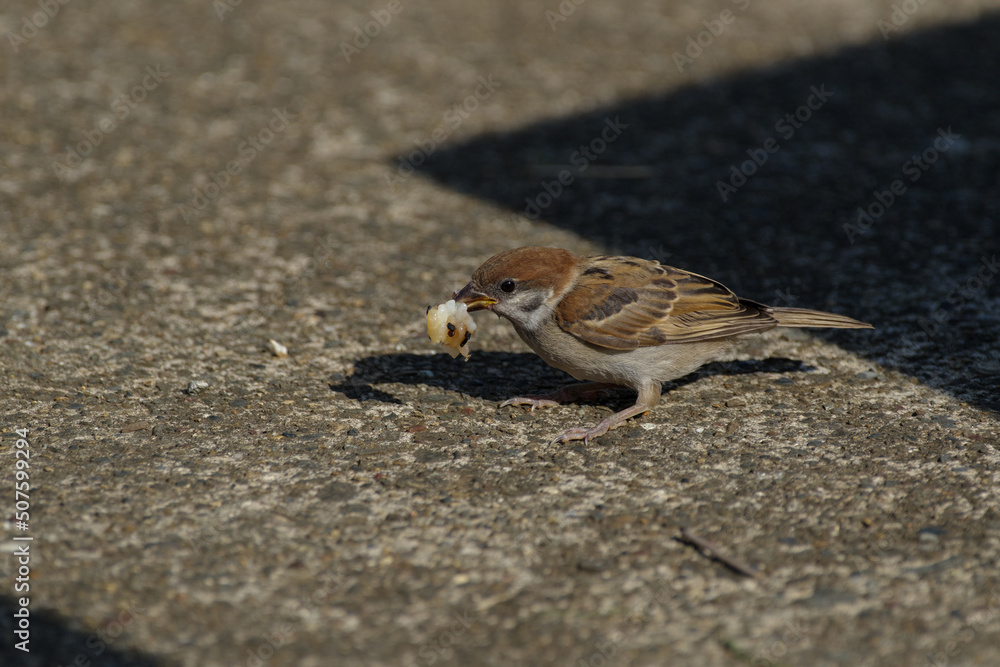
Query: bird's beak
{"points": [[472, 298]]}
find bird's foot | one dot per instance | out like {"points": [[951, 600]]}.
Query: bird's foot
{"points": [[583, 433], [605, 425], [575, 392], [539, 401]]}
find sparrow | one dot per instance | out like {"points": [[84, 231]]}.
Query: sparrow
{"points": [[620, 321]]}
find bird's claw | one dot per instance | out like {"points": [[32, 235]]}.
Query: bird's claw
{"points": [[533, 401], [582, 433], [586, 391]]}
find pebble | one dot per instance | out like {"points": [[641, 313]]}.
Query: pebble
{"points": [[197, 386]]}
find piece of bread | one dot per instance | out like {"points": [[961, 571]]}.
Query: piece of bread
{"points": [[451, 325]]}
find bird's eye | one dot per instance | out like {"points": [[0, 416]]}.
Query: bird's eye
{"points": [[507, 285]]}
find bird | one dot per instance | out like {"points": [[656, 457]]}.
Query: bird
{"points": [[620, 321]]}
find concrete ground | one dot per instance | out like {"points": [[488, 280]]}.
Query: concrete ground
{"points": [[181, 182]]}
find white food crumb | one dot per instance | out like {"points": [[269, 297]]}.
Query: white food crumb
{"points": [[451, 325], [276, 348]]}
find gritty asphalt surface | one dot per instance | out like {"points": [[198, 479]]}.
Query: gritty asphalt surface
{"points": [[182, 182]]}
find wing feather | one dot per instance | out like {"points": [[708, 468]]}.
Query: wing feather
{"points": [[625, 303]]}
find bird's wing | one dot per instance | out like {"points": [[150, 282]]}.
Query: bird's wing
{"points": [[625, 302]]}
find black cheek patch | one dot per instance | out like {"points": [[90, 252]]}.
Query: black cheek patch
{"points": [[532, 304]]}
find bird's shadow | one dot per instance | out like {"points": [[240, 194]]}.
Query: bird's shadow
{"points": [[496, 376]]}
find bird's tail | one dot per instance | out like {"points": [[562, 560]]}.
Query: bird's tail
{"points": [[803, 317]]}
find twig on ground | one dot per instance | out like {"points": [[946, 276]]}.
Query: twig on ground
{"points": [[699, 542]]}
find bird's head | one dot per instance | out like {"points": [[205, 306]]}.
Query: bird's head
{"points": [[523, 284]]}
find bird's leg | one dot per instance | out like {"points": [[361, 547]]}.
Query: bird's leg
{"points": [[649, 396], [568, 394]]}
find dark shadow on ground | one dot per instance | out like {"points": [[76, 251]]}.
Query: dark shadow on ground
{"points": [[790, 235], [52, 643], [496, 376]]}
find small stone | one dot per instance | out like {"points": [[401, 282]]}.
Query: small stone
{"points": [[591, 565], [337, 491], [826, 598], [356, 508], [197, 386], [931, 530]]}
